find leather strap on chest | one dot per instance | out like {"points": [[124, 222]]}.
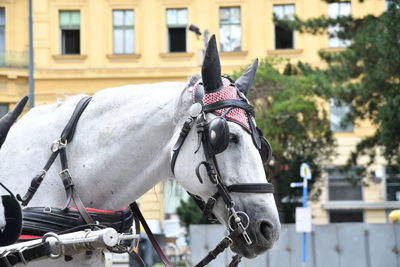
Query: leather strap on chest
{"points": [[58, 147]]}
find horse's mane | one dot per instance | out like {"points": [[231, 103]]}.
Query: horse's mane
{"points": [[183, 97]]}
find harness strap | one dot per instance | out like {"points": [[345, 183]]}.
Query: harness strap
{"points": [[59, 148], [41, 250], [36, 181], [153, 241], [69, 130], [224, 244], [207, 207], [81, 208], [235, 261], [136, 258], [235, 103], [178, 145]]}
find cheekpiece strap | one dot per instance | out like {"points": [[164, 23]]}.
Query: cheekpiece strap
{"points": [[178, 145]]}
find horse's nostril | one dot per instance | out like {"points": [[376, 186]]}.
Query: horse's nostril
{"points": [[266, 229]]}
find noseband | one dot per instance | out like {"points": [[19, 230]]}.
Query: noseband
{"points": [[214, 136]]}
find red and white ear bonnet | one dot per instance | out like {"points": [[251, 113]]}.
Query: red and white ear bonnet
{"points": [[228, 91]]}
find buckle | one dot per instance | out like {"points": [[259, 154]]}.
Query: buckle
{"points": [[47, 210]]}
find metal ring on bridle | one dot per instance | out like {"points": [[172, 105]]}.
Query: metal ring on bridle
{"points": [[233, 216], [61, 247]]}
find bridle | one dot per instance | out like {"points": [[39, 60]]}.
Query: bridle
{"points": [[214, 136]]}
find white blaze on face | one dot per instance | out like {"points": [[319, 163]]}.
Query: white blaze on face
{"points": [[2, 217]]}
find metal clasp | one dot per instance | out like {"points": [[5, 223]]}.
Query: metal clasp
{"points": [[47, 209], [58, 144], [57, 243], [238, 221]]}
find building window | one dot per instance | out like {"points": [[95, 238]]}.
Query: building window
{"points": [[3, 109], [284, 38], [176, 26], [229, 29], [70, 23], [124, 31], [392, 183], [338, 112], [344, 185], [341, 216], [335, 10]]}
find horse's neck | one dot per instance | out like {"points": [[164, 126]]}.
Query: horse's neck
{"points": [[136, 137], [120, 150]]}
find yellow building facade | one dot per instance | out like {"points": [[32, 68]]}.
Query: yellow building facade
{"points": [[82, 46]]}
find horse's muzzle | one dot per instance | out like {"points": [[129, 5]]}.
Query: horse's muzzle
{"points": [[263, 230]]}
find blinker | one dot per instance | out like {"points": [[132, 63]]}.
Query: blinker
{"points": [[217, 133], [13, 214]]}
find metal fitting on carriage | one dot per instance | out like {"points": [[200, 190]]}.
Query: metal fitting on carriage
{"points": [[21, 255], [53, 244], [3, 257]]}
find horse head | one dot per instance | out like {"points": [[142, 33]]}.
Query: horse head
{"points": [[221, 146]]}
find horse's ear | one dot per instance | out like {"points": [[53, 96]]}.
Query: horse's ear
{"points": [[244, 82], [8, 120], [211, 70]]}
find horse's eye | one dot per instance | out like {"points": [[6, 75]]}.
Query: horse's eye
{"points": [[233, 138]]}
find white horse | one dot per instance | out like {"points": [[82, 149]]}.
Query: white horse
{"points": [[122, 148]]}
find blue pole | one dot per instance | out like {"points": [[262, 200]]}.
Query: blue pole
{"points": [[304, 258]]}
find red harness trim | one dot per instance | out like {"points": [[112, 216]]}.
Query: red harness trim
{"points": [[100, 211], [23, 237]]}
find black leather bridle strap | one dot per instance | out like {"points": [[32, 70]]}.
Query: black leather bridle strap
{"points": [[66, 137], [235, 103], [69, 130], [178, 145], [207, 208], [251, 188], [241, 188], [224, 244]]}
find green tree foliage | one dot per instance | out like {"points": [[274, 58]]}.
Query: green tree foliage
{"points": [[190, 213], [295, 123], [365, 74]]}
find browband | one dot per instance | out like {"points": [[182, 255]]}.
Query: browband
{"points": [[235, 103]]}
